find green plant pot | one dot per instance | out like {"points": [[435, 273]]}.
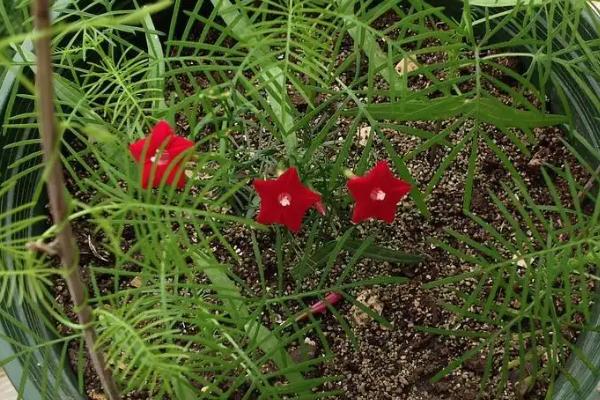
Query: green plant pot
{"points": [[23, 326], [38, 369], [580, 381]]}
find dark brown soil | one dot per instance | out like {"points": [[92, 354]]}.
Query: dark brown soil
{"points": [[398, 362]]}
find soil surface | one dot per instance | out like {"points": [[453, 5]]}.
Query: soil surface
{"points": [[398, 362], [395, 362]]}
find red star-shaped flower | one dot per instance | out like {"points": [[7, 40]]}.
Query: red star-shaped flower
{"points": [[158, 153], [377, 194], [284, 200]]}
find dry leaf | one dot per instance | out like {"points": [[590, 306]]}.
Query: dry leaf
{"points": [[521, 262], [524, 386], [372, 301], [120, 365], [96, 396], [406, 65], [136, 282], [95, 252], [363, 135]]}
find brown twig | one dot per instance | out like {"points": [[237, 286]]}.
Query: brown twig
{"points": [[66, 246]]}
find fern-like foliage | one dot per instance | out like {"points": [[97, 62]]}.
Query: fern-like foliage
{"points": [[533, 280], [137, 350], [257, 85], [559, 41], [295, 55]]}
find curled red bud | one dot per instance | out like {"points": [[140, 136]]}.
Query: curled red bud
{"points": [[321, 306]]}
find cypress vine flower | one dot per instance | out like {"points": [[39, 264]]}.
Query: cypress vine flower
{"points": [[377, 194], [285, 200], [159, 153]]}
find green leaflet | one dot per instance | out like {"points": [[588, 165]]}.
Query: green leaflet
{"points": [[484, 109], [368, 43], [372, 251], [272, 75], [155, 51], [266, 340], [505, 3]]}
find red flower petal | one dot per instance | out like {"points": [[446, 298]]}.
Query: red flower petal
{"points": [[359, 188], [137, 148], [269, 211], [284, 200], [361, 212], [377, 194], [293, 219], [177, 145], [155, 165], [289, 178], [156, 173], [160, 134], [387, 214], [320, 207]]}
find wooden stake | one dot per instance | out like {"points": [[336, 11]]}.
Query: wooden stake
{"points": [[66, 247]]}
